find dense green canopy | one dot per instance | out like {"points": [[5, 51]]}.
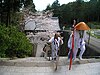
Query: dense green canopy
{"points": [[79, 10], [8, 9]]}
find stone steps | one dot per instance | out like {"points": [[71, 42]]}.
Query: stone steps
{"points": [[42, 62]]}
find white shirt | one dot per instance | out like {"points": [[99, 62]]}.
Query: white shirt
{"points": [[55, 43], [78, 42]]}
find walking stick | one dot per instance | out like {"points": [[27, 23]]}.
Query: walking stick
{"points": [[70, 64], [71, 51]]}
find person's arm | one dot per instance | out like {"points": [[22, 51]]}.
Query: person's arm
{"points": [[50, 41], [69, 42], [61, 41]]}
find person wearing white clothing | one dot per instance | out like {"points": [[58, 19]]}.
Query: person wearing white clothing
{"points": [[82, 48], [55, 41], [79, 42]]}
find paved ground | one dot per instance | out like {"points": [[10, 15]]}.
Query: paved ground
{"points": [[94, 44], [79, 69], [84, 67]]}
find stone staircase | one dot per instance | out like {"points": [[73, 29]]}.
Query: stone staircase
{"points": [[42, 62]]}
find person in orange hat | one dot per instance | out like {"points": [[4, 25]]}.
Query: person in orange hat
{"points": [[76, 44], [82, 39], [79, 40]]}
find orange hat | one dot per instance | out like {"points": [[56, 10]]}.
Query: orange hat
{"points": [[82, 26]]}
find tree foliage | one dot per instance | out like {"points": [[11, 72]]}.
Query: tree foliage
{"points": [[9, 7], [48, 7], [79, 10], [13, 43]]}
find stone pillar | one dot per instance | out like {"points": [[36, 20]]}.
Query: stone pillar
{"points": [[34, 49]]}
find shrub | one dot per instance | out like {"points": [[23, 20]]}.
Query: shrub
{"points": [[13, 43]]}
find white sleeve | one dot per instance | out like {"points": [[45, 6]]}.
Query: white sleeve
{"points": [[60, 41], [51, 39], [69, 42]]}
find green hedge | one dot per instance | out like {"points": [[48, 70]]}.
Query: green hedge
{"points": [[13, 43]]}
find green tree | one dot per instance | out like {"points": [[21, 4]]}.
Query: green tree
{"points": [[13, 43], [98, 10], [55, 6], [48, 7], [93, 0], [27, 3], [33, 8], [9, 8], [79, 9]]}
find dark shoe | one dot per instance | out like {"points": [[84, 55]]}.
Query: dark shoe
{"points": [[53, 58]]}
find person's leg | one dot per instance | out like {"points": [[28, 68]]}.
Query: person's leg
{"points": [[81, 52], [56, 53], [75, 53], [69, 53], [52, 53]]}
